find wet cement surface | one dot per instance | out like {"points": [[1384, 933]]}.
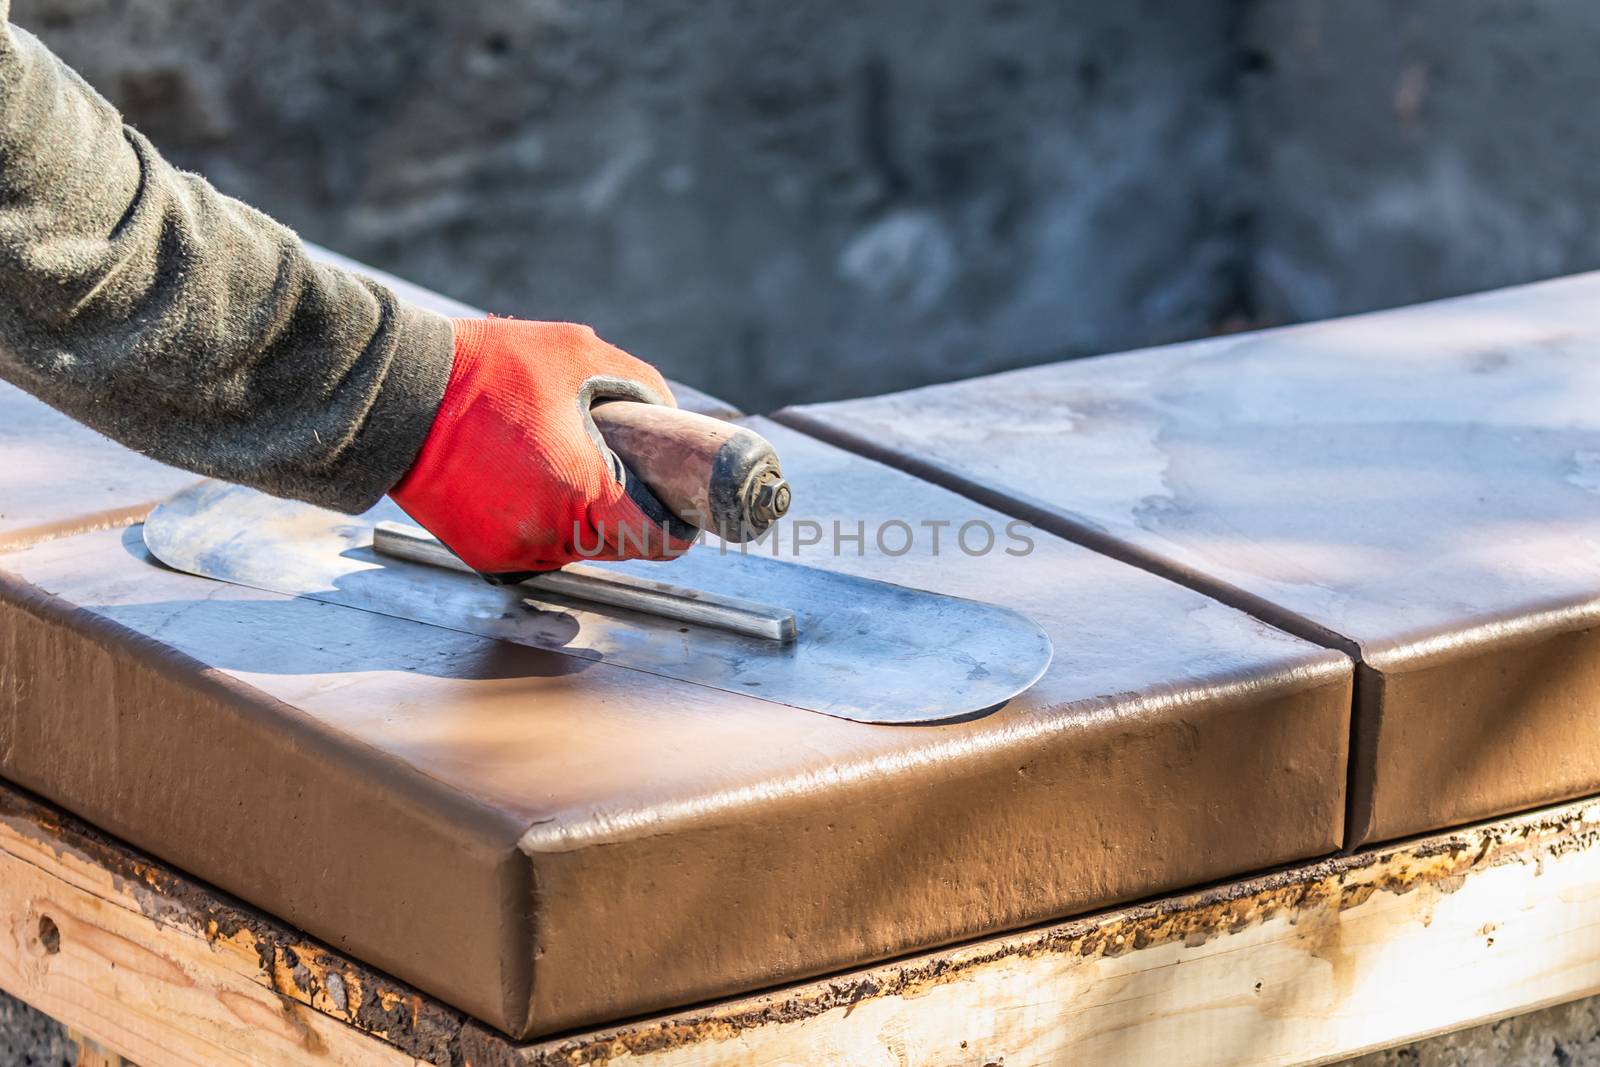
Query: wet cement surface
{"points": [[58, 477], [547, 842], [1420, 487]]}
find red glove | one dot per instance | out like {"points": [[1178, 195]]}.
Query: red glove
{"points": [[513, 477]]}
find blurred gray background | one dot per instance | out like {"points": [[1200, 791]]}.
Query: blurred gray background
{"points": [[782, 202]]}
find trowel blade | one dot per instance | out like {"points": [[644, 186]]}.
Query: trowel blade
{"points": [[866, 650]]}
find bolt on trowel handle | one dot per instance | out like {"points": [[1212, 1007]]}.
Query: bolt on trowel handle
{"points": [[709, 473]]}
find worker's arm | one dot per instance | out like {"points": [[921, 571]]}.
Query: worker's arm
{"points": [[140, 301]]}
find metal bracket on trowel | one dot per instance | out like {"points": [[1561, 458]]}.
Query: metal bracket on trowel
{"points": [[808, 638]]}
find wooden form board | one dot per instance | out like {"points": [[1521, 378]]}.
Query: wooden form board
{"points": [[1307, 965]]}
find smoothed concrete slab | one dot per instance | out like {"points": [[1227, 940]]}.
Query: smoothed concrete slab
{"points": [[59, 477], [548, 842], [1419, 486]]}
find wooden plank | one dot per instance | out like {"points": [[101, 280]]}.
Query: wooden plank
{"points": [[1308, 965], [150, 965], [93, 1054], [127, 982]]}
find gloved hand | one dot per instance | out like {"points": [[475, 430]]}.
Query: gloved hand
{"points": [[512, 476]]}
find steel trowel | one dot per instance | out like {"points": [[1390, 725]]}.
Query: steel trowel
{"points": [[722, 615]]}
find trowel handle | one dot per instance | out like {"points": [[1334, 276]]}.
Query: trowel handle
{"points": [[709, 473]]}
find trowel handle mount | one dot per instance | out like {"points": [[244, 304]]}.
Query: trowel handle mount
{"points": [[709, 473]]}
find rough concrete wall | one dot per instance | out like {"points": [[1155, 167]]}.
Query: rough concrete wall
{"points": [[31, 1039], [779, 202], [1407, 151], [1567, 1035], [791, 202]]}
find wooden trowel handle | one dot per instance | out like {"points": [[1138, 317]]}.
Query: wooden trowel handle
{"points": [[709, 473]]}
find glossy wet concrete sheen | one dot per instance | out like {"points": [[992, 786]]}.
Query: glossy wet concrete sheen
{"points": [[932, 658], [548, 842], [57, 476], [1422, 484]]}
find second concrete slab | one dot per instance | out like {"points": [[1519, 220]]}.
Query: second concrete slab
{"points": [[1419, 487]]}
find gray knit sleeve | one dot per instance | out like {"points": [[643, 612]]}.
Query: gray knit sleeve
{"points": [[139, 300]]}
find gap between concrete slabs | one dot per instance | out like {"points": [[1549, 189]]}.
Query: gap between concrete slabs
{"points": [[1358, 794]]}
